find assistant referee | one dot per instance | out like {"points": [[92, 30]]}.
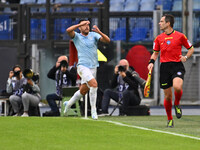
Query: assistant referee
{"points": [[172, 70]]}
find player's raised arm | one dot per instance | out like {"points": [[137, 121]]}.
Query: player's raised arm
{"points": [[71, 29], [104, 38]]}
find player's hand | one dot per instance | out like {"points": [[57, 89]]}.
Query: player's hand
{"points": [[95, 29], [11, 74], [183, 58], [150, 66], [84, 23], [116, 69], [123, 74], [29, 81], [57, 64]]}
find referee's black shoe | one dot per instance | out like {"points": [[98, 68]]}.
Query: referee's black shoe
{"points": [[178, 111]]}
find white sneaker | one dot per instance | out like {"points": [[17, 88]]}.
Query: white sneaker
{"points": [[94, 115], [65, 104], [25, 115]]}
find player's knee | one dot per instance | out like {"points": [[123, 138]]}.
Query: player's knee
{"points": [[168, 97], [83, 91], [93, 83], [177, 88]]}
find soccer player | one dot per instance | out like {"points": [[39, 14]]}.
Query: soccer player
{"points": [[86, 45], [172, 70]]}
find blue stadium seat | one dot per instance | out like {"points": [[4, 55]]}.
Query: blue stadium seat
{"points": [[178, 24], [138, 34], [113, 23], [94, 1], [27, 1], [167, 4], [35, 32], [147, 5], [177, 5], [60, 28], [144, 22], [43, 9], [116, 6], [131, 5], [43, 29], [79, 1], [120, 34], [196, 5]]}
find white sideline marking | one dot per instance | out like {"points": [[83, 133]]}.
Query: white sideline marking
{"points": [[147, 129], [159, 131]]}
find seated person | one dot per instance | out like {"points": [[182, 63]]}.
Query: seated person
{"points": [[127, 87], [24, 91], [64, 76]]}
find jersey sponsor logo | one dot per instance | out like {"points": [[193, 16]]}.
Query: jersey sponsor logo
{"points": [[168, 38], [168, 42], [179, 73]]}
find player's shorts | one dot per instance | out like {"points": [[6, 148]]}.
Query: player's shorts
{"points": [[169, 71], [86, 74]]}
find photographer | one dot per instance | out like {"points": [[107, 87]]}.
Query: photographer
{"points": [[64, 76], [18, 85], [127, 81], [31, 95]]}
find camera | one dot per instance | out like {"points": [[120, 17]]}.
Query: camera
{"points": [[64, 63], [16, 73], [29, 74], [121, 68]]}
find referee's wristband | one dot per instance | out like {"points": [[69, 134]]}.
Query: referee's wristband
{"points": [[151, 61]]}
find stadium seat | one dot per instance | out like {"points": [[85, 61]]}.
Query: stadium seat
{"points": [[196, 5], [177, 5], [79, 1], [94, 1], [147, 5], [131, 5], [116, 6], [138, 34], [43, 9], [178, 24], [60, 28], [144, 22], [113, 25], [27, 1], [35, 31], [120, 34], [167, 4]]}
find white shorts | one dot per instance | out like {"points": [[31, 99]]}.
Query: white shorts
{"points": [[86, 74]]}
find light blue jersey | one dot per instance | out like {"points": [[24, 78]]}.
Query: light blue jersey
{"points": [[87, 49]]}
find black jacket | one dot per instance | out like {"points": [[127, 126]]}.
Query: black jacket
{"points": [[129, 79]]}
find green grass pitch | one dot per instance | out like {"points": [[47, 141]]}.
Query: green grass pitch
{"points": [[73, 133]]}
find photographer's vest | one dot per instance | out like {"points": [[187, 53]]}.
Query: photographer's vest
{"points": [[62, 81], [17, 86], [121, 84]]}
